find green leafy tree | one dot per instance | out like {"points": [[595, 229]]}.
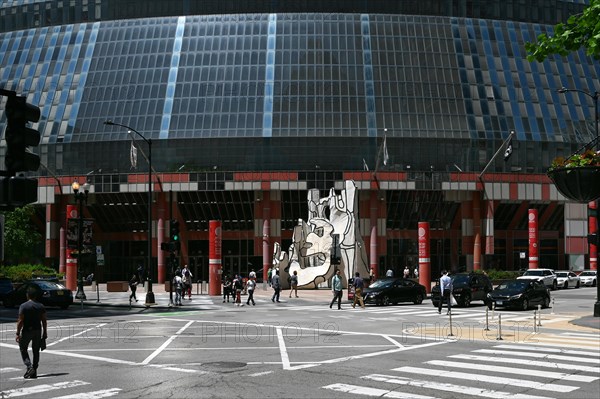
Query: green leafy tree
{"points": [[580, 31], [21, 238]]}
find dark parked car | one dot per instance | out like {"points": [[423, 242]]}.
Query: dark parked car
{"points": [[520, 294], [49, 294], [387, 291], [466, 288], [5, 287]]}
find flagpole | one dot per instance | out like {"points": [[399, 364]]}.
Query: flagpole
{"points": [[510, 136]]}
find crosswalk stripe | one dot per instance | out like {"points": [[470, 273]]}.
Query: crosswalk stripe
{"points": [[13, 393], [8, 369], [460, 389], [487, 378], [514, 370], [529, 362], [105, 393], [382, 393], [548, 349], [538, 355]]}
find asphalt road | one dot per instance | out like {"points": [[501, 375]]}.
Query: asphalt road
{"points": [[301, 349]]}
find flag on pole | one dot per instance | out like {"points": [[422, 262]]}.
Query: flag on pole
{"points": [[509, 150], [133, 155], [365, 166], [386, 155]]}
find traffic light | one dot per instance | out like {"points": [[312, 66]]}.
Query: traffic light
{"points": [[18, 136], [175, 238], [593, 239]]}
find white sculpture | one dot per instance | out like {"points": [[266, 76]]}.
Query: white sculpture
{"points": [[310, 252]]}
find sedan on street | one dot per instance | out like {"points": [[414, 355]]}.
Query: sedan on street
{"points": [[566, 279], [387, 291], [49, 294], [589, 278], [520, 294]]}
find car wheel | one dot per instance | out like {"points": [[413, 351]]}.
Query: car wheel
{"points": [[594, 283], [418, 299], [554, 285], [466, 301], [386, 301], [546, 302], [566, 285], [578, 284], [525, 304]]}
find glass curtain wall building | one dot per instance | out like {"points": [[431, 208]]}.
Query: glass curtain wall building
{"points": [[306, 86]]}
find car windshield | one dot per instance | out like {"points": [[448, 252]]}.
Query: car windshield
{"points": [[562, 274], [534, 273], [459, 278], [381, 284], [513, 285], [588, 274], [48, 285]]}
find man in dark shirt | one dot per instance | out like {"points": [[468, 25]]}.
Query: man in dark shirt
{"points": [[31, 327], [358, 287]]}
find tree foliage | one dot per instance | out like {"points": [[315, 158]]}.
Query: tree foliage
{"points": [[580, 31], [20, 235]]}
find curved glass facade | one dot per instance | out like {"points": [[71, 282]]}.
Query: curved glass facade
{"points": [[274, 91]]}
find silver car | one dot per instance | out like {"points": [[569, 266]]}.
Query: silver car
{"points": [[589, 278], [566, 279]]}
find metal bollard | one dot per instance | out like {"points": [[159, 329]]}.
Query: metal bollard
{"points": [[535, 321], [539, 315], [487, 322], [552, 312], [450, 314], [493, 309], [499, 337]]}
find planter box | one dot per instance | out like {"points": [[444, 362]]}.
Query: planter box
{"points": [[581, 184], [117, 286]]}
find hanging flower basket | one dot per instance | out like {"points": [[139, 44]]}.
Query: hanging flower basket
{"points": [[581, 183]]}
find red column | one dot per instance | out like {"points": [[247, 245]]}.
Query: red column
{"points": [[71, 272], [160, 237], [373, 252], [593, 228], [532, 217], [266, 252], [215, 258], [476, 231], [424, 256]]}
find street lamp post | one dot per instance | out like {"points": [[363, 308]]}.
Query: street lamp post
{"points": [[149, 293], [81, 195], [594, 97]]}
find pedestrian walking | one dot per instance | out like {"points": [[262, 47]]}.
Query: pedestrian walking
{"points": [[141, 272], [237, 287], [337, 287], [270, 275], [406, 272], [178, 283], [252, 275], [133, 283], [32, 326], [372, 275], [416, 272], [389, 273], [226, 288], [294, 283], [250, 285], [276, 284], [358, 288], [445, 291], [186, 275]]}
